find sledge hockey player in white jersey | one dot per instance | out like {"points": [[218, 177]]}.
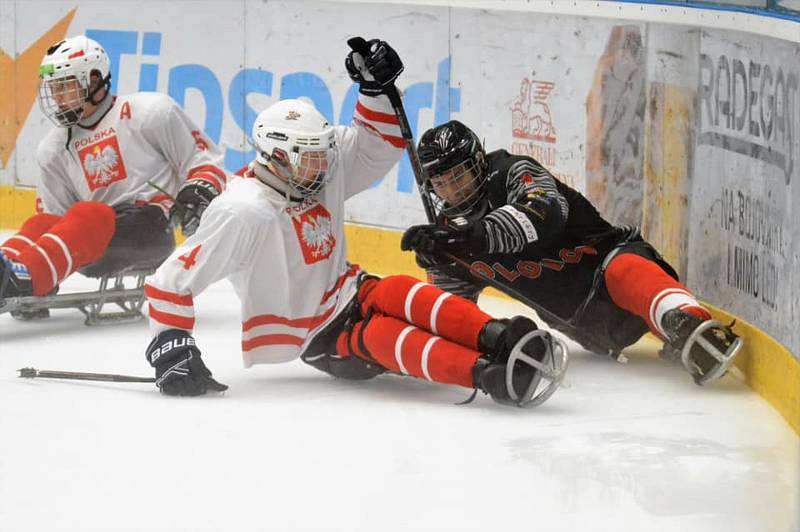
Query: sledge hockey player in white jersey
{"points": [[278, 235], [109, 171]]}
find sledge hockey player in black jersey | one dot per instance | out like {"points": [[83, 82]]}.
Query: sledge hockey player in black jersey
{"points": [[504, 220]]}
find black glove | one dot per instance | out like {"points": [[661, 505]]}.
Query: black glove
{"points": [[428, 261], [458, 237], [179, 368], [190, 203], [374, 68]]}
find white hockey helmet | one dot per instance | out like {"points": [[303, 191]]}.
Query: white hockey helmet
{"points": [[297, 144], [65, 78]]}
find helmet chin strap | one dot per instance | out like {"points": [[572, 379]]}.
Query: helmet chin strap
{"points": [[476, 212], [104, 84], [480, 210], [267, 177]]}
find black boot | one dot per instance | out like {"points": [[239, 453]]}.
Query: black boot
{"points": [[498, 337], [15, 281], [497, 340], [679, 326]]}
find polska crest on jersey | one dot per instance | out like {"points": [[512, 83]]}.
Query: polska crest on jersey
{"points": [[102, 163], [314, 233]]}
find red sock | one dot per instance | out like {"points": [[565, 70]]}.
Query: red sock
{"points": [[444, 314], [409, 350], [641, 287], [78, 238], [33, 228]]}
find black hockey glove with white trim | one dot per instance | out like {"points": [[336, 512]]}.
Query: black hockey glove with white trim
{"points": [[460, 236], [179, 368], [429, 261], [375, 69], [191, 202]]}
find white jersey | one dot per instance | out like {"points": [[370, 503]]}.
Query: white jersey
{"points": [[143, 136], [286, 261]]}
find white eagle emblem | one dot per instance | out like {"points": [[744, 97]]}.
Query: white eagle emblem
{"points": [[102, 165], [316, 234]]}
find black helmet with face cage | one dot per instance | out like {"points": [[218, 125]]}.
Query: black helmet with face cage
{"points": [[447, 147]]}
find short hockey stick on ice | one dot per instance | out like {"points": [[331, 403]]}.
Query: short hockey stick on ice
{"points": [[31, 373]]}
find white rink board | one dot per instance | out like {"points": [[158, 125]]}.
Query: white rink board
{"points": [[743, 245], [460, 63], [540, 65]]}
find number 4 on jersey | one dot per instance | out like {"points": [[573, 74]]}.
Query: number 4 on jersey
{"points": [[189, 259]]}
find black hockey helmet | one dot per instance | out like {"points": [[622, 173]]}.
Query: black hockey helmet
{"points": [[454, 165]]}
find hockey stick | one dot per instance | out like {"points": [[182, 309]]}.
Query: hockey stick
{"points": [[30, 373], [173, 198], [358, 44]]}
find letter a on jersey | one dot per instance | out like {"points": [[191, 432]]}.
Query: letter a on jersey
{"points": [[313, 229]]}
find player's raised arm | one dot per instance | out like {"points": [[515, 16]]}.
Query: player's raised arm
{"points": [[373, 144]]}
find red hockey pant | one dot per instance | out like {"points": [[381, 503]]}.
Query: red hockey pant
{"points": [[52, 247], [416, 329], [641, 287]]}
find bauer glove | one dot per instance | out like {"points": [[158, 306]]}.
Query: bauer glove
{"points": [[179, 368]]}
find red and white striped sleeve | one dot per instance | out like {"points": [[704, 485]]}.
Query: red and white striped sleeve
{"points": [[221, 246], [372, 145], [377, 116]]}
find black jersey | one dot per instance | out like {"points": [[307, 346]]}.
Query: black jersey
{"points": [[561, 215], [546, 245]]}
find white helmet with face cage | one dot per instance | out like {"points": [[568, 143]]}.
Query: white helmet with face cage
{"points": [[65, 78], [297, 144]]}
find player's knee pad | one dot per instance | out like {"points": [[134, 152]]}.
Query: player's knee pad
{"points": [[38, 224], [87, 228]]}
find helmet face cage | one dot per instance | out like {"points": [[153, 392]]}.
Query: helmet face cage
{"points": [[454, 163], [458, 190], [305, 171], [62, 100]]}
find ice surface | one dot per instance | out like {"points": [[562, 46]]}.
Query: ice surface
{"points": [[627, 447]]}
